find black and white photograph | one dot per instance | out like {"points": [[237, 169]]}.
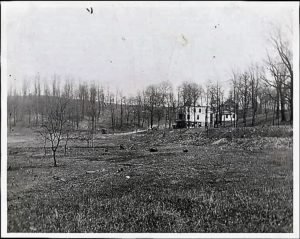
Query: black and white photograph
{"points": [[150, 119]]}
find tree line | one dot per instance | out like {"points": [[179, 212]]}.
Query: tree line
{"points": [[263, 92], [264, 88]]}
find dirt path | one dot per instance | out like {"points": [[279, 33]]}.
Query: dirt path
{"points": [[129, 133]]}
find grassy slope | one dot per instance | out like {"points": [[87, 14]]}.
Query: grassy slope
{"points": [[211, 188]]}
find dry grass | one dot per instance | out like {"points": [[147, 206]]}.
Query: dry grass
{"points": [[207, 189]]}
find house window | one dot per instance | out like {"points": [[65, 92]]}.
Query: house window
{"points": [[233, 116], [188, 117], [197, 117], [226, 116], [199, 110]]}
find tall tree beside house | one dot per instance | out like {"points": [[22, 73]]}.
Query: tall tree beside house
{"points": [[216, 102], [186, 100], [243, 90], [280, 67], [206, 92], [283, 49], [256, 74], [165, 88], [171, 108], [196, 91]]}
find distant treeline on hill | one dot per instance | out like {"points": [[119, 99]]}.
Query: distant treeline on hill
{"points": [[264, 92]]}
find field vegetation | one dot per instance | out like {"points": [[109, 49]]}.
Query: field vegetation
{"points": [[192, 183]]}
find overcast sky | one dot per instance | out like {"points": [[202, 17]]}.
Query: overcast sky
{"points": [[131, 45]]}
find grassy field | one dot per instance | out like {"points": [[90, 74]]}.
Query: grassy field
{"points": [[242, 183]]}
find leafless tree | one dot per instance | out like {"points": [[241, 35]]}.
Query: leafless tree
{"points": [[92, 106], [150, 96], [256, 75], [37, 98], [13, 106], [101, 101], [283, 50], [56, 122], [196, 91], [216, 102], [185, 96], [112, 111], [83, 98]]}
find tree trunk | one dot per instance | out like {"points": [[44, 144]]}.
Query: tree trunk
{"points": [[66, 147], [266, 113], [277, 110], [291, 113], [29, 118], [151, 118], [14, 118], [121, 117], [291, 100], [274, 113], [54, 158], [281, 102], [45, 152], [245, 118], [194, 114]]}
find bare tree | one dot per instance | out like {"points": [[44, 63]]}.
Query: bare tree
{"points": [[277, 70], [101, 102], [112, 111], [92, 106], [122, 101], [139, 108], [185, 96], [255, 76], [283, 50], [13, 106], [196, 91], [216, 102], [243, 90], [171, 107], [83, 98], [150, 102], [37, 98], [207, 91], [27, 100], [55, 125]]}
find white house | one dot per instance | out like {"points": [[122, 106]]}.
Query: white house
{"points": [[190, 116], [228, 116], [194, 116]]}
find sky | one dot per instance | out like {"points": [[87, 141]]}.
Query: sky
{"points": [[130, 45]]}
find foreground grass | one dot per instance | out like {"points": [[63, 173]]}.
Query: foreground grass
{"points": [[207, 189]]}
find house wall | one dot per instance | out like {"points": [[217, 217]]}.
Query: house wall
{"points": [[187, 115], [228, 117], [199, 116]]}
